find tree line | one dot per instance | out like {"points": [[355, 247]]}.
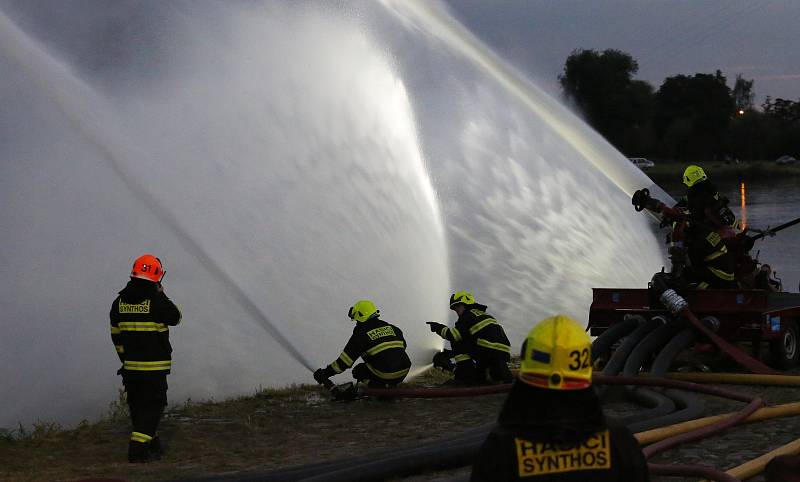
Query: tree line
{"points": [[690, 117]]}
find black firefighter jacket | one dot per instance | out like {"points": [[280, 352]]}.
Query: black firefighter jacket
{"points": [[548, 435], [477, 332], [382, 347], [140, 320]]}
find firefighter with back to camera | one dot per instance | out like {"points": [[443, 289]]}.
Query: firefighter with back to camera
{"points": [[140, 319], [551, 426], [380, 344]]}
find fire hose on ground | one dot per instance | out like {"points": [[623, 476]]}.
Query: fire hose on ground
{"points": [[765, 413], [756, 466], [457, 451], [407, 465]]}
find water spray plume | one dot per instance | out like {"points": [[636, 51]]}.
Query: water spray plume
{"points": [[595, 149], [293, 205], [79, 104], [281, 184]]}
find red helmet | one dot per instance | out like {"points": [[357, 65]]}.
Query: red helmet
{"points": [[147, 267]]}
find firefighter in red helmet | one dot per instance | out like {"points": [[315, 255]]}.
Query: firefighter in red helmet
{"points": [[140, 319]]}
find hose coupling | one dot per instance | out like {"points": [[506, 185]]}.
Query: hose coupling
{"points": [[712, 322], [673, 301]]}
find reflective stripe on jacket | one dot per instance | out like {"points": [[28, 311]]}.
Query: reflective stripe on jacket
{"points": [[480, 331], [140, 320], [382, 347]]}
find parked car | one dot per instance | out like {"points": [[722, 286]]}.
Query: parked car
{"points": [[641, 162], [785, 160]]}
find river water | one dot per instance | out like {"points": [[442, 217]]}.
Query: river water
{"points": [[769, 203]]}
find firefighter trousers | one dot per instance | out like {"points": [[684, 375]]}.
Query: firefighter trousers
{"points": [[146, 401]]}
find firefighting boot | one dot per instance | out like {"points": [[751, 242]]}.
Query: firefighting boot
{"points": [[156, 448], [465, 373], [138, 452]]}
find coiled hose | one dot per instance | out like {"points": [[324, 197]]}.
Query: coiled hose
{"points": [[656, 403], [637, 358], [601, 346], [690, 406]]}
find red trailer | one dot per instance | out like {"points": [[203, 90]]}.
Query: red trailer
{"points": [[739, 316]]}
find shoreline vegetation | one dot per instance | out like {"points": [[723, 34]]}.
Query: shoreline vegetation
{"points": [[670, 172]]}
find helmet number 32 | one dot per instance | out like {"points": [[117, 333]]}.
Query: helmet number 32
{"points": [[580, 359]]}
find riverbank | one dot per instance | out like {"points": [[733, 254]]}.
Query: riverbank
{"points": [[270, 429], [670, 172], [299, 425]]}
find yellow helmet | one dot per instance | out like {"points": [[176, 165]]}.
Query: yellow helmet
{"points": [[557, 355], [461, 297], [363, 310], [693, 174]]}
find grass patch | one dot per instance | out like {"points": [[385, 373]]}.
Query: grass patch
{"points": [[269, 429], [118, 409]]}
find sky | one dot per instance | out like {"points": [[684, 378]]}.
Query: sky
{"points": [[758, 39]]}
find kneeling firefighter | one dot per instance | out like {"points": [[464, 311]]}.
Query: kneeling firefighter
{"points": [[551, 426], [380, 344], [480, 345]]}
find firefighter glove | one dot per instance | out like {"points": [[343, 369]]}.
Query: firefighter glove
{"points": [[435, 327], [319, 376]]}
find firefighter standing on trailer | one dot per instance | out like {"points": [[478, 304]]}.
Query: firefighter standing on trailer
{"points": [[479, 343], [140, 320], [380, 344], [712, 259], [551, 426], [697, 236]]}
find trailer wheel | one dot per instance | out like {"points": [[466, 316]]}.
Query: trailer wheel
{"points": [[785, 350]]}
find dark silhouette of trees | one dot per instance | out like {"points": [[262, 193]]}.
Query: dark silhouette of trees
{"points": [[692, 114], [783, 121], [690, 117], [601, 86], [784, 111]]}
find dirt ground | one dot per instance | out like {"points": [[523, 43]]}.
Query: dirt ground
{"points": [[299, 425]]}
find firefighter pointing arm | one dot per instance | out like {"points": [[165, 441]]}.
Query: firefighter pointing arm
{"points": [[380, 344], [480, 346]]}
